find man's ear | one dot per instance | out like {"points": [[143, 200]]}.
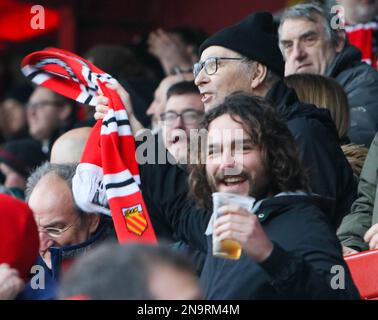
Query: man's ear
{"points": [[64, 112], [93, 221], [259, 75]]}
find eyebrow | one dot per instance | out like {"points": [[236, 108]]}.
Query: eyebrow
{"points": [[53, 224], [308, 33], [233, 142], [243, 141], [303, 35]]}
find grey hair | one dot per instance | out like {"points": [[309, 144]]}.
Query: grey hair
{"points": [[271, 77], [64, 171], [308, 11]]}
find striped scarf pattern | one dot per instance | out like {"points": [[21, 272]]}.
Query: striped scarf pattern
{"points": [[107, 179]]}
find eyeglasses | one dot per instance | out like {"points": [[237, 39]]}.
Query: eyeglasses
{"points": [[56, 232], [188, 116], [210, 65]]}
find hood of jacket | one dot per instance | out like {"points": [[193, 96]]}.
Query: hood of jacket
{"points": [[280, 203], [287, 104], [348, 58]]}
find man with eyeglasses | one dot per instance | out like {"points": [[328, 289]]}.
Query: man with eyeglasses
{"points": [[64, 231], [49, 115], [246, 57], [157, 106], [183, 114]]}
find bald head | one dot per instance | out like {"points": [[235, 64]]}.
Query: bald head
{"points": [[69, 147], [160, 97]]}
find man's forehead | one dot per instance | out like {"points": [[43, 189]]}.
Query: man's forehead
{"points": [[183, 99], [296, 27], [50, 187], [51, 199], [234, 131], [218, 51]]}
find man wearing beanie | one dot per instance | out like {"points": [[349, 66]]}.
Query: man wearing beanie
{"points": [[17, 160], [246, 57], [223, 69]]}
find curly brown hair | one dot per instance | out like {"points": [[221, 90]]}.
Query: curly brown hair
{"points": [[279, 151]]}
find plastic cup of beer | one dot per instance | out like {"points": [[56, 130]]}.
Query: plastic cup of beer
{"points": [[228, 249]]}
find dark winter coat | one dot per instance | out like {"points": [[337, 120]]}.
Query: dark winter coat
{"points": [[360, 82]]}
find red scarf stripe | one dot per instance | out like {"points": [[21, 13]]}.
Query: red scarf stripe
{"points": [[362, 36], [120, 184], [362, 26], [112, 127], [119, 191]]}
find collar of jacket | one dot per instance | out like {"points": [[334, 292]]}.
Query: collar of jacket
{"points": [[282, 98], [60, 254], [349, 57], [285, 101], [270, 207]]}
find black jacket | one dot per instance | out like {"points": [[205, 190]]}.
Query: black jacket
{"points": [[319, 149], [360, 82], [300, 266], [164, 184]]}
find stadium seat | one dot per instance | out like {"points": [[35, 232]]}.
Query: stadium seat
{"points": [[364, 269]]}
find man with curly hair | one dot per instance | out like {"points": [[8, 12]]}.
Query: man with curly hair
{"points": [[289, 249]]}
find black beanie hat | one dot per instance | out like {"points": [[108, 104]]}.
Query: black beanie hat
{"points": [[23, 156], [255, 37]]}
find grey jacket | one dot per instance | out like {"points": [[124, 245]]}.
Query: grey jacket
{"points": [[360, 82], [364, 211]]}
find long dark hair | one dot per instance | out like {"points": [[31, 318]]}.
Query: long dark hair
{"points": [[269, 133]]}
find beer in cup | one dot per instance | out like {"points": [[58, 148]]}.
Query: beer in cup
{"points": [[228, 249]]}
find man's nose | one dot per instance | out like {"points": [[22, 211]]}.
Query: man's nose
{"points": [[150, 111], [228, 160], [201, 78], [178, 123], [231, 164], [45, 241], [299, 53]]}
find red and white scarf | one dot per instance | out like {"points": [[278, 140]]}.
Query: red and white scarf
{"points": [[364, 37], [108, 172]]}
